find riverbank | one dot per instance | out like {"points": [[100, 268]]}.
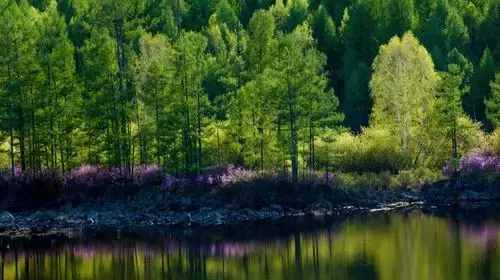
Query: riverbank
{"points": [[153, 207]]}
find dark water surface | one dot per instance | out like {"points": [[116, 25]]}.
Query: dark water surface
{"points": [[411, 245]]}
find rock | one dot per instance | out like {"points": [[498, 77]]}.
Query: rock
{"points": [[44, 216], [472, 196], [208, 218], [6, 218]]}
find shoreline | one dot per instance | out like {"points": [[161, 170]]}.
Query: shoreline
{"points": [[147, 213]]}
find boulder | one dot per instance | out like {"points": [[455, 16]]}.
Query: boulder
{"points": [[6, 218]]}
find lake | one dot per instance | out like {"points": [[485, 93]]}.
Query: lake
{"points": [[408, 245]]}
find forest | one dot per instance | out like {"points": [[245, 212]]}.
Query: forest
{"points": [[400, 87]]}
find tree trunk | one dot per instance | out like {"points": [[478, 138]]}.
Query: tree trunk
{"points": [[199, 155], [293, 136], [12, 160]]}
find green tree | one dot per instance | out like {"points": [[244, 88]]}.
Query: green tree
{"points": [[402, 86], [449, 105], [260, 51], [154, 76], [99, 110], [58, 89], [190, 63], [474, 101], [19, 74], [301, 85], [493, 103]]}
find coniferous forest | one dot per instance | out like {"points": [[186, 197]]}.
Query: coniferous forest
{"points": [[249, 139], [400, 87]]}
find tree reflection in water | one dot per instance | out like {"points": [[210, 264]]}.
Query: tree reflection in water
{"points": [[383, 246]]}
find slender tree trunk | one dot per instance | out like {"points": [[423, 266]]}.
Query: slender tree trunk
{"points": [[120, 59], [157, 129], [261, 146], [187, 124], [293, 135], [12, 160], [198, 108], [22, 142], [219, 151], [454, 145]]}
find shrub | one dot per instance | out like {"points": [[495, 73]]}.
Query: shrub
{"points": [[373, 151], [436, 147], [147, 175], [28, 189], [209, 179], [415, 178], [479, 162], [494, 142], [367, 180]]}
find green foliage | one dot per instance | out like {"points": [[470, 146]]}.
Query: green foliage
{"points": [[260, 83], [402, 86], [493, 103], [415, 178], [374, 150], [474, 102], [494, 141]]}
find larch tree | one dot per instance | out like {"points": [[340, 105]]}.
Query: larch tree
{"points": [[190, 62], [260, 51], [19, 73], [154, 78], [449, 105], [301, 85], [58, 90], [493, 103]]}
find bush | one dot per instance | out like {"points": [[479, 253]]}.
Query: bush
{"points": [[95, 181], [373, 151], [415, 178], [367, 180], [148, 175], [479, 162], [436, 147], [494, 142], [24, 190]]}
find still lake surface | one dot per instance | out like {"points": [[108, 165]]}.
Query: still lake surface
{"points": [[398, 245]]}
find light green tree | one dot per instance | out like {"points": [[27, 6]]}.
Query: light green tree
{"points": [[449, 105], [154, 77], [402, 87]]}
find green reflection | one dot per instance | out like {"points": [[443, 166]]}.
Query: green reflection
{"points": [[396, 246]]}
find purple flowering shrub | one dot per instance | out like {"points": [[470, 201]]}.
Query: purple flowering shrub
{"points": [[96, 180], [209, 179], [476, 162], [480, 162], [30, 189], [477, 169], [90, 180], [148, 175]]}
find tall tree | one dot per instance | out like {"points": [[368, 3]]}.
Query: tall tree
{"points": [[474, 101], [19, 72], [155, 74], [260, 52], [58, 89], [449, 105], [493, 103], [301, 85], [402, 86], [190, 63]]}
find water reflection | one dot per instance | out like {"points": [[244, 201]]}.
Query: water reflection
{"points": [[385, 246]]}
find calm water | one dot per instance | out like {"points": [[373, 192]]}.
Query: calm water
{"points": [[410, 245]]}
